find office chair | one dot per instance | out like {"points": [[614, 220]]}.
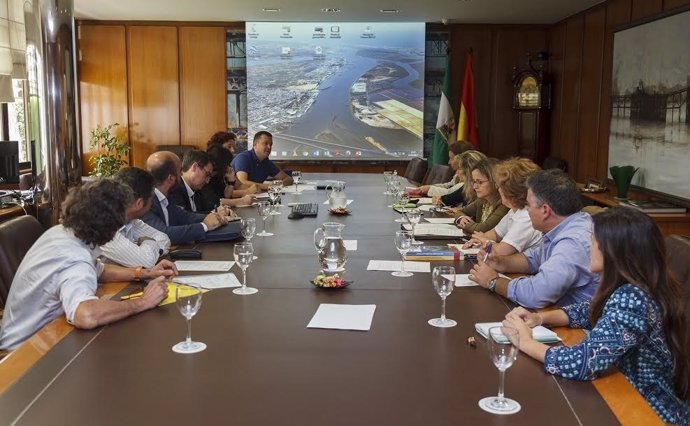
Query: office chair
{"points": [[17, 235]]}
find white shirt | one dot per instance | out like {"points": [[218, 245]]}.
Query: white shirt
{"points": [[123, 248], [190, 194], [439, 190], [164, 204], [516, 229], [58, 273]]}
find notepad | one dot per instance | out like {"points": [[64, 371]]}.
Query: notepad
{"points": [[435, 229], [210, 281], [343, 317], [539, 333], [394, 265], [204, 265]]}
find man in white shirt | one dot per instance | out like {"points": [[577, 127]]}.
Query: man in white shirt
{"points": [[60, 273], [136, 243]]}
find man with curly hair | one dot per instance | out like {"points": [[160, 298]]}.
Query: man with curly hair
{"points": [[60, 273]]}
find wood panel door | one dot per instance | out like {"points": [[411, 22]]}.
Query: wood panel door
{"points": [[154, 99], [202, 84], [102, 73]]}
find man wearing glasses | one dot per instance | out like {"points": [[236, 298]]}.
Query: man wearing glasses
{"points": [[196, 172]]}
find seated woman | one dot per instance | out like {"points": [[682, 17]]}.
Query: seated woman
{"points": [[514, 233], [636, 317], [454, 149], [220, 190], [486, 211], [464, 194], [225, 139]]}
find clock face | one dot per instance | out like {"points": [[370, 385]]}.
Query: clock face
{"points": [[528, 93]]}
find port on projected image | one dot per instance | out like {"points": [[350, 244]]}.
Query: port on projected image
{"points": [[328, 90]]}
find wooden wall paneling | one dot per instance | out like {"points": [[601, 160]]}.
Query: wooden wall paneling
{"points": [[152, 53], [645, 8], [510, 48], [590, 95], [570, 106], [202, 84], [556, 40], [464, 37], [618, 13], [672, 4], [102, 74]]}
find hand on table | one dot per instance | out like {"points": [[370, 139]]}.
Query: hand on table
{"points": [[154, 293], [164, 268]]}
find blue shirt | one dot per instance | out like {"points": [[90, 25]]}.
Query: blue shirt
{"points": [[629, 334], [560, 266], [257, 170]]}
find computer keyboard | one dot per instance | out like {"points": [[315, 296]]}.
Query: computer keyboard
{"points": [[306, 209]]}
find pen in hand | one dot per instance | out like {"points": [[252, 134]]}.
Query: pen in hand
{"points": [[488, 252]]}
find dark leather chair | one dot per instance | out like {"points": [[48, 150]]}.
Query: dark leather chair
{"points": [[555, 163], [439, 173], [416, 169], [180, 150], [678, 257], [16, 238]]}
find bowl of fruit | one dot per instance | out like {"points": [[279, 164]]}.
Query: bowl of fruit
{"points": [[330, 281]]}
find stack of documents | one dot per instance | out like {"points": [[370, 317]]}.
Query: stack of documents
{"points": [[539, 333], [437, 230], [394, 265]]}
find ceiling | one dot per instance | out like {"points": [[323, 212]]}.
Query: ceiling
{"points": [[447, 11]]}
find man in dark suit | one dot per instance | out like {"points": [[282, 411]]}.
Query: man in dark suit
{"points": [[180, 225], [196, 172]]}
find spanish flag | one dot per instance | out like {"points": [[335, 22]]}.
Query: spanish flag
{"points": [[467, 123]]}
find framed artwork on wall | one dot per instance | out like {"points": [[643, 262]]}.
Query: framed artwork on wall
{"points": [[650, 116]]}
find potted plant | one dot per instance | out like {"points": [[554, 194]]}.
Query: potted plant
{"points": [[110, 151]]}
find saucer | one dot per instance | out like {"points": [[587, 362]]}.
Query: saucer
{"points": [[339, 212], [321, 284]]}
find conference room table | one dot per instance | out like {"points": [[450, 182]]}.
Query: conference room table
{"points": [[263, 366]]}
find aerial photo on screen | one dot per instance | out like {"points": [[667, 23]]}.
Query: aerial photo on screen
{"points": [[330, 90]]}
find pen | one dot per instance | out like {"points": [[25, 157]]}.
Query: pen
{"points": [[132, 296], [488, 252]]}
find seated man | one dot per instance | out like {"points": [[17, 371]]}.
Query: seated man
{"points": [[180, 225], [136, 243], [253, 165], [59, 274], [560, 264]]}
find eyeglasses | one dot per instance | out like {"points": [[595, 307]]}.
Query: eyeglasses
{"points": [[208, 173], [478, 182]]}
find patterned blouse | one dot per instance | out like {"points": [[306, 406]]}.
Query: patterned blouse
{"points": [[630, 335]]}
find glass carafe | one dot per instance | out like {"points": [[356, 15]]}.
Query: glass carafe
{"points": [[328, 240], [336, 197]]}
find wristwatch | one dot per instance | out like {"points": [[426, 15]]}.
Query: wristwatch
{"points": [[491, 285], [137, 273]]}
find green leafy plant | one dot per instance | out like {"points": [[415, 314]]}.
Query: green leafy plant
{"points": [[110, 151]]}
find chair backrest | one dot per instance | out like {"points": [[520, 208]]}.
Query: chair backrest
{"points": [[555, 163], [17, 235], [416, 169], [439, 173], [678, 257], [180, 150]]}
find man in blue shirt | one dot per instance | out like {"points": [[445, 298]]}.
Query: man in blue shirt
{"points": [[252, 167], [560, 265]]}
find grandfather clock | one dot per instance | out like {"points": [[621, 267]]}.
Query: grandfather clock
{"points": [[532, 101]]}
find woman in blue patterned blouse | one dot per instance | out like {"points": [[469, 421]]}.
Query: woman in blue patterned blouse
{"points": [[636, 318]]}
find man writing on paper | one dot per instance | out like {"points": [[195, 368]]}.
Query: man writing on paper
{"points": [[253, 165], [60, 273], [180, 225], [136, 243], [560, 264]]}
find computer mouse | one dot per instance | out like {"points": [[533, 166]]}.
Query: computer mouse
{"points": [[295, 215]]}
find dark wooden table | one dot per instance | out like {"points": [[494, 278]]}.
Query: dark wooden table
{"points": [[264, 367]]}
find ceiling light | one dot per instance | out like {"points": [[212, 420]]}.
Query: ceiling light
{"points": [[330, 10], [389, 11], [270, 9]]}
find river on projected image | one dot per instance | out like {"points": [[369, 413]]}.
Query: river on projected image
{"points": [[661, 151]]}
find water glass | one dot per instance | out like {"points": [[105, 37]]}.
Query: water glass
{"points": [[188, 301], [402, 240], [443, 278], [387, 181], [414, 216], [248, 230], [296, 177], [244, 254], [503, 343], [264, 208]]}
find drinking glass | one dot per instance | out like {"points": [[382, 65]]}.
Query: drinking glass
{"points": [[264, 211], [244, 254], [402, 243], [188, 300], [403, 198], [387, 180], [414, 216], [296, 177], [443, 278], [273, 195], [248, 230], [504, 343], [278, 188]]}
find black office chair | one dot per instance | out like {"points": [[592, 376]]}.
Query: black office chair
{"points": [[554, 163], [416, 169], [180, 150], [439, 173], [17, 235]]}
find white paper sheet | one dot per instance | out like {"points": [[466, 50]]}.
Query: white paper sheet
{"points": [[204, 265], [438, 229], [210, 281], [463, 280], [426, 207], [394, 265], [348, 202], [424, 200], [302, 187], [350, 245], [343, 317], [440, 219]]}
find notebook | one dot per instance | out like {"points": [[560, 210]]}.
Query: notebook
{"points": [[540, 333]]}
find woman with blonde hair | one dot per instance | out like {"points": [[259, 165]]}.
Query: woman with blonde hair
{"points": [[486, 210], [514, 233], [454, 150], [464, 194]]}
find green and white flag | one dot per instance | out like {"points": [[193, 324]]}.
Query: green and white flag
{"points": [[446, 130]]}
